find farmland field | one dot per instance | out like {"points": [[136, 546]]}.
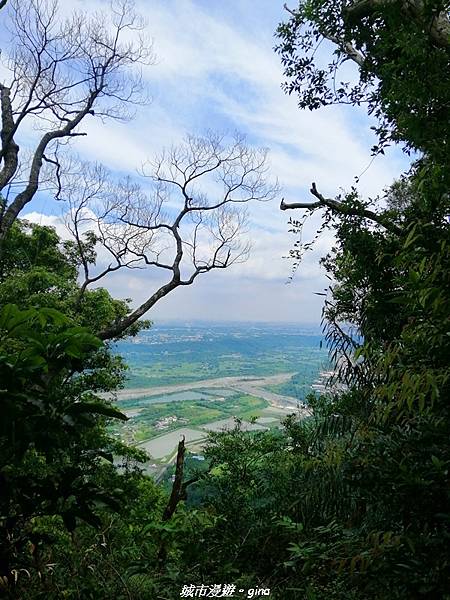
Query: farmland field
{"points": [[164, 445], [188, 380], [171, 354]]}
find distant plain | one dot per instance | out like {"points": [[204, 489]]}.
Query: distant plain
{"points": [[191, 379]]}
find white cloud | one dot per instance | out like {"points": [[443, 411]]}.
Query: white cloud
{"points": [[55, 221], [216, 70]]}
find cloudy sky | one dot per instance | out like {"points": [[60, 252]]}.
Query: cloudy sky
{"points": [[216, 70]]}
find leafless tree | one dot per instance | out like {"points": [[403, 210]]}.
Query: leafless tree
{"points": [[190, 221], [61, 70]]}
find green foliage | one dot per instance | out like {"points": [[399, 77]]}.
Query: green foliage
{"points": [[353, 502], [350, 503], [39, 270], [373, 500], [399, 73], [98, 563], [78, 519], [51, 435]]}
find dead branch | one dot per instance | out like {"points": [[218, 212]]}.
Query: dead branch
{"points": [[60, 71], [175, 495], [337, 207]]}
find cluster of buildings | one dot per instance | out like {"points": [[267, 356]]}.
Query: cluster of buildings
{"points": [[165, 422]]}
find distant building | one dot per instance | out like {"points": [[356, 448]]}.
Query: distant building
{"points": [[165, 422]]}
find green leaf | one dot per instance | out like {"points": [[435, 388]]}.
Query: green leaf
{"points": [[98, 408]]}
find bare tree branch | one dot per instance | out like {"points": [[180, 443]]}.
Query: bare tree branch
{"points": [[192, 220], [337, 207], [60, 70]]}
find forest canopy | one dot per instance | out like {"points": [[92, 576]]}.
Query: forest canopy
{"points": [[352, 502]]}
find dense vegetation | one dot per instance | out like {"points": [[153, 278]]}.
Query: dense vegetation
{"points": [[352, 503]]}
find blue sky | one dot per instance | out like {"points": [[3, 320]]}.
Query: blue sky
{"points": [[216, 70]]}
